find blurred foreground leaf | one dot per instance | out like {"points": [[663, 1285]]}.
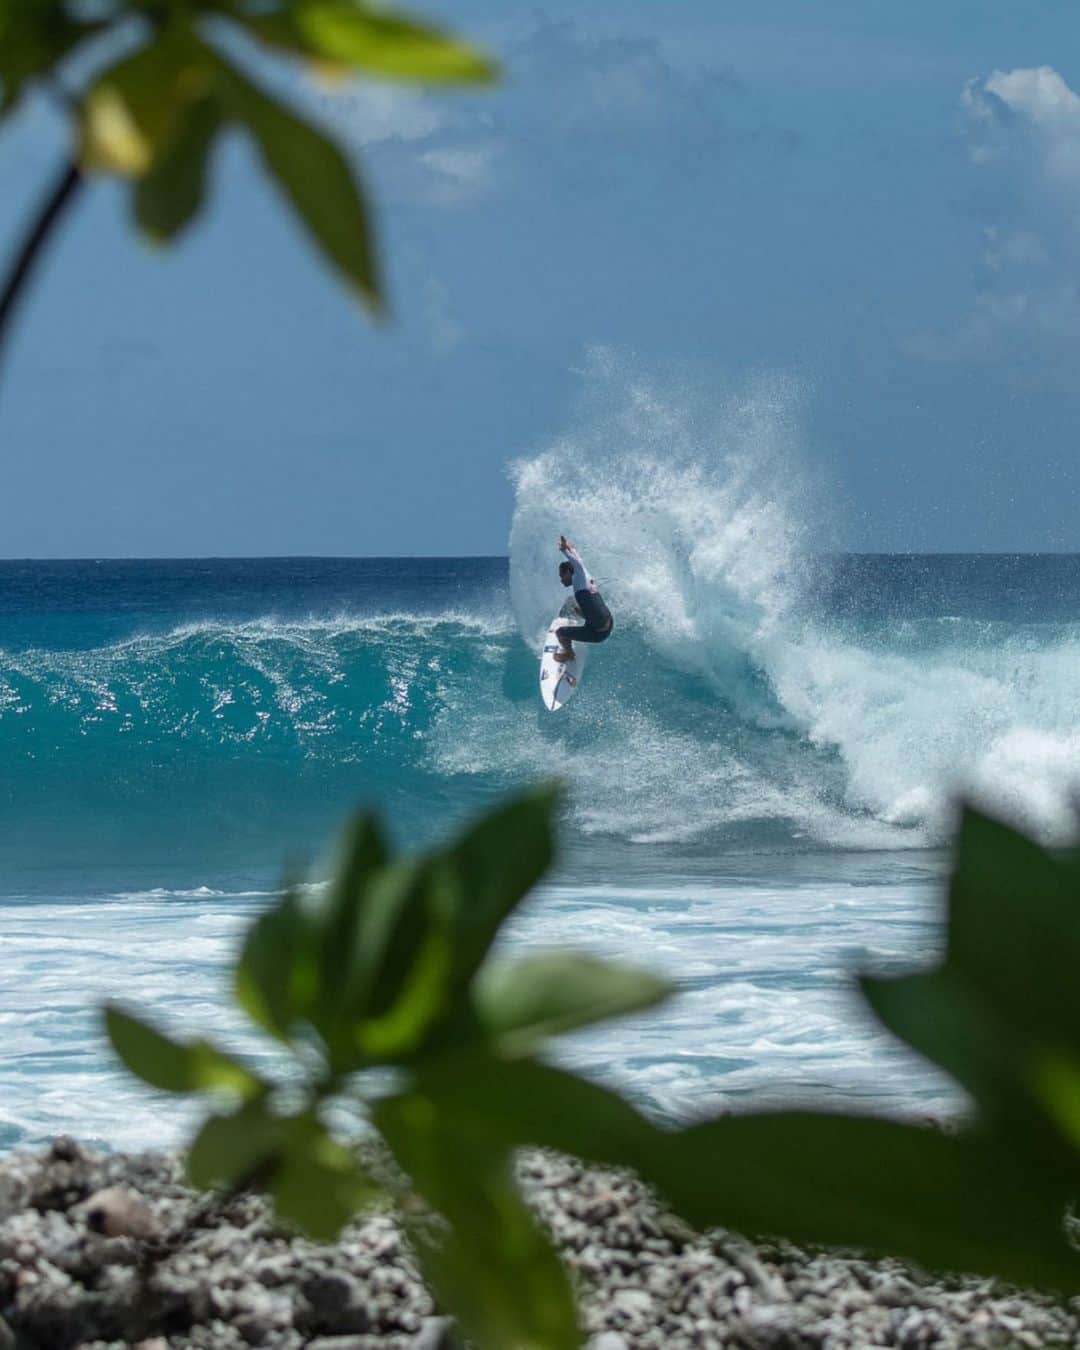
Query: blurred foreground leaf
{"points": [[497, 863], [314, 177], [154, 116], [35, 37], [385, 44], [134, 111], [955, 1203], [523, 1003], [1001, 1013], [1014, 928], [501, 1105], [317, 1182], [320, 1184], [491, 1263], [175, 1066], [277, 976], [231, 1148], [421, 929], [171, 194]]}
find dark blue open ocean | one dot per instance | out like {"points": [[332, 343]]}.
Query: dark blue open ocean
{"points": [[762, 764]]}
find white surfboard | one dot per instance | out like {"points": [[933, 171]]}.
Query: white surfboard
{"points": [[558, 680]]}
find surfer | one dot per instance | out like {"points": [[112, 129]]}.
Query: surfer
{"points": [[589, 602]]}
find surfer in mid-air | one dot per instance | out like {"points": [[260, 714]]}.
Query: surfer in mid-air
{"points": [[587, 601]]}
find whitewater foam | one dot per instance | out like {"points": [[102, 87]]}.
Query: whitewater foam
{"points": [[766, 1007]]}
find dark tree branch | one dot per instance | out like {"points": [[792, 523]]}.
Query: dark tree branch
{"points": [[52, 208]]}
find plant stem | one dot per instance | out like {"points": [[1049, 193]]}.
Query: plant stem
{"points": [[52, 208]]}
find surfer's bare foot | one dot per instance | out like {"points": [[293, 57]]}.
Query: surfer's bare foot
{"points": [[564, 656]]}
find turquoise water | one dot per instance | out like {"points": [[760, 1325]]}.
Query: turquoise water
{"points": [[762, 765]]}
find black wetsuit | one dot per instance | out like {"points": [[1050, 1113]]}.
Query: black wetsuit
{"points": [[597, 616]]}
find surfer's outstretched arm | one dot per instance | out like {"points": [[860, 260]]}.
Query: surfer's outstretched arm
{"points": [[582, 580]]}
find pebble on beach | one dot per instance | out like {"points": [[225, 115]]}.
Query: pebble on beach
{"points": [[101, 1251]]}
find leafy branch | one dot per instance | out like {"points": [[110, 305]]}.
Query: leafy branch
{"points": [[155, 116], [392, 968]]}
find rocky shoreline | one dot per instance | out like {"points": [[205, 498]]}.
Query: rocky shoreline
{"points": [[101, 1251]]}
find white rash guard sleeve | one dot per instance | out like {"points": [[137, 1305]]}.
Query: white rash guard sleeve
{"points": [[582, 580]]}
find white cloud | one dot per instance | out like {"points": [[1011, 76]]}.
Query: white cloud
{"points": [[460, 174], [1016, 248], [421, 149], [374, 113], [1032, 109], [1023, 129], [444, 332]]}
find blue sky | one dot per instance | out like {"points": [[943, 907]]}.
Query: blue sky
{"points": [[879, 203]]}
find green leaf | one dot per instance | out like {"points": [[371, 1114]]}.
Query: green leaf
{"points": [[277, 975], [1055, 1079], [497, 862], [315, 1181], [1020, 1086], [360, 36], [403, 987], [320, 1184], [427, 925], [237, 1148], [958, 1203], [343, 924], [388, 44], [523, 1003], [34, 39], [507, 1104], [948, 1021], [171, 194], [385, 958], [135, 110], [1010, 1077], [491, 1267], [420, 928], [1014, 927], [314, 177], [1002, 1013], [497, 1274], [174, 1066]]}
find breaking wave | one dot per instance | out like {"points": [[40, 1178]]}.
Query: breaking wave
{"points": [[755, 689]]}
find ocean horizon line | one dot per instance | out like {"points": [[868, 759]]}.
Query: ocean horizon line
{"points": [[499, 557]]}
